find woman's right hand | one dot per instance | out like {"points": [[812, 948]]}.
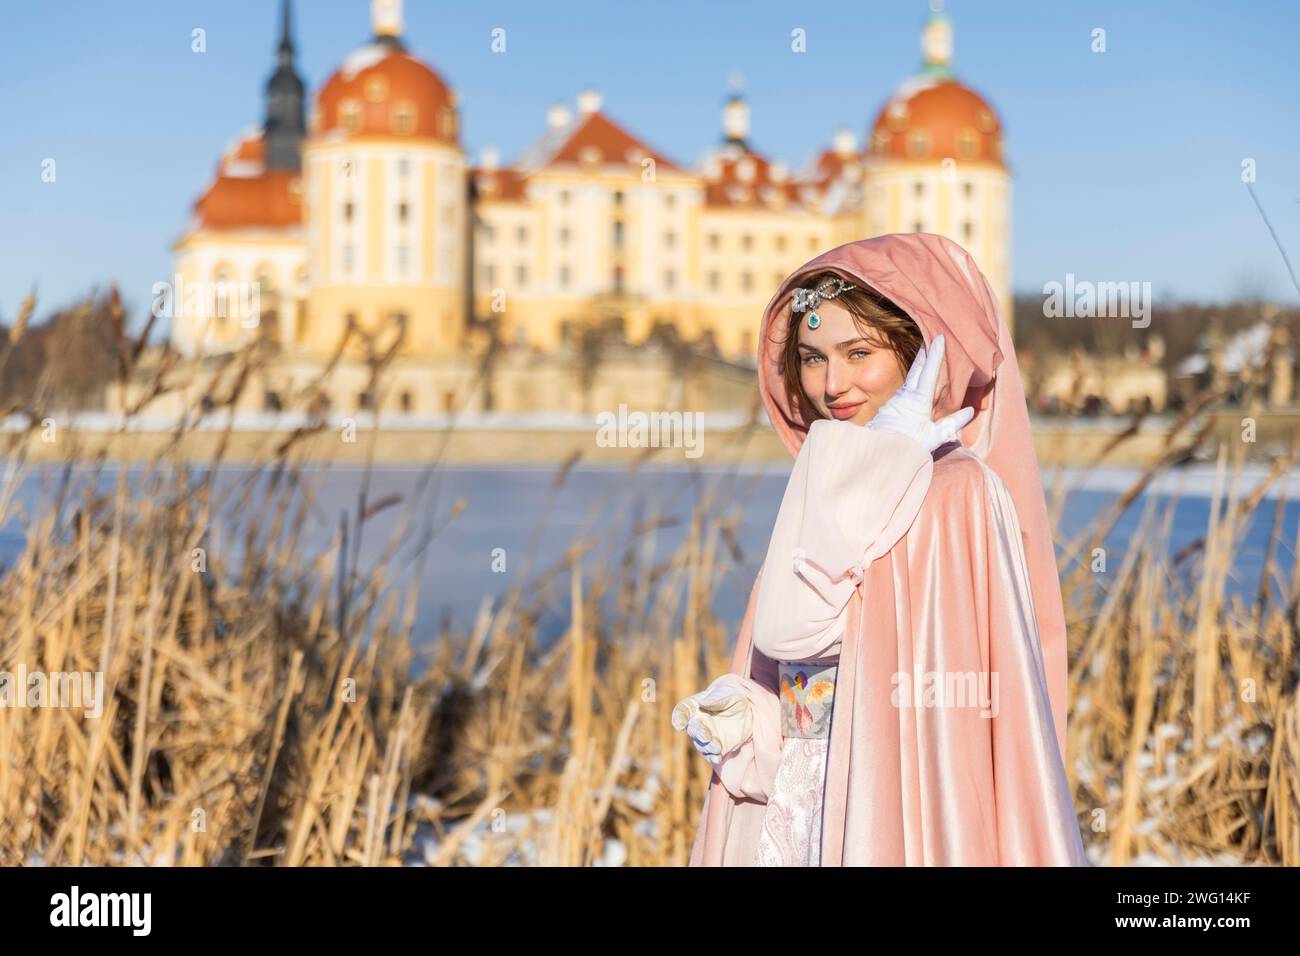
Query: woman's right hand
{"points": [[718, 719], [910, 410]]}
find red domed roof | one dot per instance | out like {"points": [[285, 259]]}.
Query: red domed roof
{"points": [[929, 120], [381, 90]]}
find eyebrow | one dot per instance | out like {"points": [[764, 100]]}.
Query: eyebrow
{"points": [[845, 344]]}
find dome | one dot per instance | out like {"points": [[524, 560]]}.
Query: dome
{"points": [[929, 120], [381, 90]]}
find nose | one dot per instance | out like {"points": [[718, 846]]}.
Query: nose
{"points": [[835, 385]]}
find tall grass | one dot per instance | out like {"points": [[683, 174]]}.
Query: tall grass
{"points": [[270, 702]]}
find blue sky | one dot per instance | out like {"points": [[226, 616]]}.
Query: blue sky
{"points": [[1126, 164]]}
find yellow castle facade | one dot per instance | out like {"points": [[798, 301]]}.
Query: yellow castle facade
{"points": [[360, 225]]}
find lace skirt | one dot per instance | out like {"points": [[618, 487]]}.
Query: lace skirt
{"points": [[792, 823]]}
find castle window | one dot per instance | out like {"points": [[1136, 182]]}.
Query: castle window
{"points": [[408, 401], [670, 279], [968, 190], [918, 144], [346, 257], [347, 211], [564, 197], [265, 281], [521, 275], [404, 118], [618, 232], [967, 143], [618, 197], [364, 401], [714, 241], [376, 88], [919, 190], [521, 235], [670, 239], [350, 115], [780, 243], [403, 258], [746, 242], [564, 235], [221, 295], [967, 230], [403, 211], [564, 277], [746, 282], [271, 401], [403, 167], [713, 281]]}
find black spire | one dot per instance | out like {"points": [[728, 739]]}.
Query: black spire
{"points": [[285, 128]]}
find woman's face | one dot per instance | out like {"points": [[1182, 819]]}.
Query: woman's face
{"points": [[844, 374]]}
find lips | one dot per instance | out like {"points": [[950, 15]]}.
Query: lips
{"points": [[845, 411]]}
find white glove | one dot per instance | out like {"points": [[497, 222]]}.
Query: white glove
{"points": [[909, 410], [717, 719]]}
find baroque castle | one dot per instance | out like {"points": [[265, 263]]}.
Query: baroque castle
{"points": [[358, 212]]}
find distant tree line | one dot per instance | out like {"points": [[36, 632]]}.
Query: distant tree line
{"points": [[65, 362]]}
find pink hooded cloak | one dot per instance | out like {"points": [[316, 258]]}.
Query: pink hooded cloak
{"points": [[964, 582]]}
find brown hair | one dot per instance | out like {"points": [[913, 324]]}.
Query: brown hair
{"points": [[871, 311]]}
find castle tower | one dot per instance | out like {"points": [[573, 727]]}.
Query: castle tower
{"points": [[934, 163], [284, 127], [385, 184]]}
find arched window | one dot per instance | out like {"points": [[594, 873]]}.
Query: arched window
{"points": [[224, 294], [350, 115], [967, 143], [404, 114]]}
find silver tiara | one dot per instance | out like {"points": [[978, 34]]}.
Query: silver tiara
{"points": [[807, 299]]}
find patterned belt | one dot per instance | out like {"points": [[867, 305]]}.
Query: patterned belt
{"points": [[807, 698]]}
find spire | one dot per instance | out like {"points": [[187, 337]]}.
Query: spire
{"points": [[284, 128], [735, 114], [286, 41], [386, 21], [936, 43]]}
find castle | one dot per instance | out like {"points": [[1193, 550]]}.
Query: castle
{"points": [[363, 215]]}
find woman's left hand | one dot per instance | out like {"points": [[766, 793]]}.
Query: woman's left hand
{"points": [[910, 410]]}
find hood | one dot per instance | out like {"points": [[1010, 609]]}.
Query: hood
{"points": [[938, 284]]}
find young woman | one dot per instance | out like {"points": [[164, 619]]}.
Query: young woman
{"points": [[897, 691]]}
